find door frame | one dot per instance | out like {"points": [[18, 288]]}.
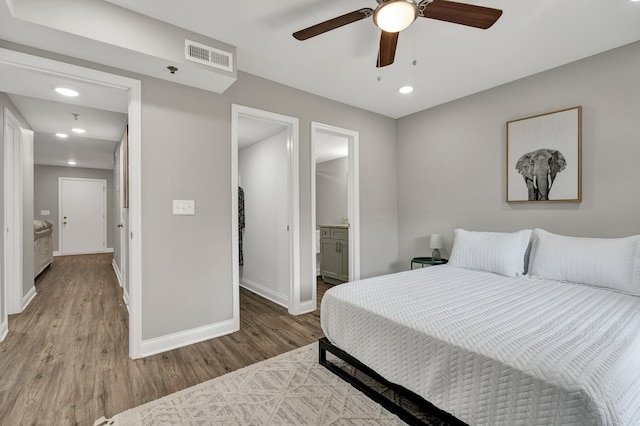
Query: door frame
{"points": [[60, 210], [291, 123], [19, 61], [353, 196], [13, 221]]}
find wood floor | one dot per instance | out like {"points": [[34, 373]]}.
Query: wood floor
{"points": [[65, 360]]}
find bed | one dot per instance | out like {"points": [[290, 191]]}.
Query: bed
{"points": [[489, 344]]}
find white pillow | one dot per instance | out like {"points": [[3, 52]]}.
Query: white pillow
{"points": [[602, 262], [498, 252]]}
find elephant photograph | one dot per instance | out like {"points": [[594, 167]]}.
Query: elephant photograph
{"points": [[539, 169], [544, 157]]}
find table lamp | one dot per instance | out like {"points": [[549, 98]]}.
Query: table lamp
{"points": [[435, 242]]}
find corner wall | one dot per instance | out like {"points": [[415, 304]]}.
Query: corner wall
{"points": [[451, 158]]}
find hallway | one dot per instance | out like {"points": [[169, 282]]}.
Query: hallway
{"points": [[65, 360]]}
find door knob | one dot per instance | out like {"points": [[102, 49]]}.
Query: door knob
{"points": [[65, 222], [65, 217], [120, 225]]}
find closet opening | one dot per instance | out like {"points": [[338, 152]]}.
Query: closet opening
{"points": [[265, 218]]}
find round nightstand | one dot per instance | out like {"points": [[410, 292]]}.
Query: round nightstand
{"points": [[428, 261]]}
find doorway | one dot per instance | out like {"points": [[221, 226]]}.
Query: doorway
{"points": [[83, 208], [285, 221], [23, 63], [324, 134]]}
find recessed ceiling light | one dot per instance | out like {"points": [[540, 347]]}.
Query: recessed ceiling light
{"points": [[66, 92], [76, 130], [71, 163], [405, 89], [62, 135]]}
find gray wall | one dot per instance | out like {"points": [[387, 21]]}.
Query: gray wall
{"points": [[451, 158], [331, 191], [186, 154], [46, 194]]}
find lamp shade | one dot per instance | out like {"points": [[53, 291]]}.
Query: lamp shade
{"points": [[395, 15], [435, 242]]}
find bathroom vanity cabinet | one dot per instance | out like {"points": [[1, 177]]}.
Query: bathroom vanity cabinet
{"points": [[334, 253]]}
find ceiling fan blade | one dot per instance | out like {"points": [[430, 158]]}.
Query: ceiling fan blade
{"points": [[332, 24], [461, 13], [387, 52]]}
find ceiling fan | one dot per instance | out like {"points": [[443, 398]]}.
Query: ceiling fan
{"points": [[393, 16]]}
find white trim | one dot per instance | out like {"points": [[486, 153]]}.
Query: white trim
{"points": [[267, 293], [13, 211], [28, 297], [58, 254], [184, 338], [48, 66], [117, 271], [235, 255], [125, 298], [353, 197], [125, 293], [294, 204], [308, 306], [4, 329]]}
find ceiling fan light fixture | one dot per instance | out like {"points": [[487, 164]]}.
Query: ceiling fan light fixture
{"points": [[394, 16]]}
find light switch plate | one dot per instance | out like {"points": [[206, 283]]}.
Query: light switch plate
{"points": [[45, 212], [184, 207]]}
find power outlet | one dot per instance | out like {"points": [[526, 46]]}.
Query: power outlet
{"points": [[184, 207]]}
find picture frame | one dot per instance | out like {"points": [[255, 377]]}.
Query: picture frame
{"points": [[544, 157]]}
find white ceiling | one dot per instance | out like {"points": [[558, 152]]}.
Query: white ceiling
{"points": [[253, 130], [102, 112], [453, 61]]}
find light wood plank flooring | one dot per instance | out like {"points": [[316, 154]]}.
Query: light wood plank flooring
{"points": [[65, 360]]}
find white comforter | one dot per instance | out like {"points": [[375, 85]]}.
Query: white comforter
{"points": [[495, 350]]}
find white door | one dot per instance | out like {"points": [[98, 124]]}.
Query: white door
{"points": [[13, 209], [83, 219]]}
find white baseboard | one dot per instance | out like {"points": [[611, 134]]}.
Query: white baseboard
{"points": [[125, 293], [107, 250], [184, 338], [265, 292], [4, 330], [125, 297], [117, 271], [28, 297], [306, 307]]}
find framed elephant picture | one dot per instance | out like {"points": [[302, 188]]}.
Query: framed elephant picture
{"points": [[544, 157]]}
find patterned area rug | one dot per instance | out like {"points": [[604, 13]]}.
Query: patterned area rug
{"points": [[290, 389]]}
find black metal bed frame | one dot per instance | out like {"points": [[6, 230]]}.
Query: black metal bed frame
{"points": [[409, 417]]}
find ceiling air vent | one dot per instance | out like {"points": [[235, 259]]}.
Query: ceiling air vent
{"points": [[208, 55]]}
